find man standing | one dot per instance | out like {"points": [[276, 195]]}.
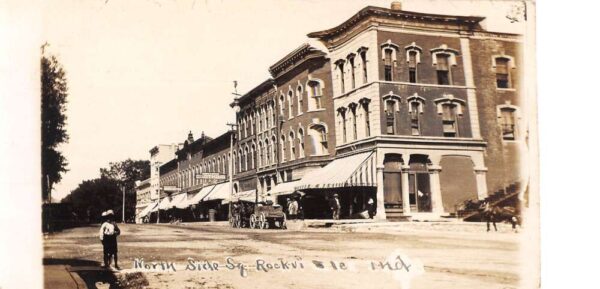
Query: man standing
{"points": [[334, 204], [371, 208]]}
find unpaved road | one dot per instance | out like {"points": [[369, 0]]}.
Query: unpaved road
{"points": [[450, 260]]}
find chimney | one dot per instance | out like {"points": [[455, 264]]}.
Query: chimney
{"points": [[396, 5], [190, 137]]}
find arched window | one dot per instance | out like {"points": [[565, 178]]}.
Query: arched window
{"points": [[246, 158], [342, 122], [318, 134], [261, 155], [340, 69], [291, 140], [253, 157], [300, 99], [301, 143], [240, 157], [283, 151], [363, 59], [350, 58], [281, 106], [352, 107], [290, 104], [364, 102], [267, 152], [274, 148]]}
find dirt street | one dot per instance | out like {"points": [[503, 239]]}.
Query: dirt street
{"points": [[471, 259]]}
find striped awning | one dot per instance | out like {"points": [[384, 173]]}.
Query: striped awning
{"points": [[180, 201], [147, 210], [195, 199], [220, 192], [351, 171], [283, 188]]}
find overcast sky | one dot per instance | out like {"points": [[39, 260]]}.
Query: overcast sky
{"points": [[146, 72]]}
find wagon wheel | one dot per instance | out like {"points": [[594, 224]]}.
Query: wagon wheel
{"points": [[283, 224], [253, 222], [262, 221]]}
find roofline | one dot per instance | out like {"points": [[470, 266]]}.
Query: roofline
{"points": [[257, 89], [371, 10], [302, 50]]}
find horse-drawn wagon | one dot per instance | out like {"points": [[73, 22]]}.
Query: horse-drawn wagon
{"points": [[263, 215]]}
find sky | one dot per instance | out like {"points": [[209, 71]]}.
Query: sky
{"points": [[147, 72]]}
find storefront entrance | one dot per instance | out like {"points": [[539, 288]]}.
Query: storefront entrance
{"points": [[419, 184]]}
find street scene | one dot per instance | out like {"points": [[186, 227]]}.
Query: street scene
{"points": [[386, 145], [454, 255]]}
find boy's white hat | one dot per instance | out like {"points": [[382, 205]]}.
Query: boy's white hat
{"points": [[110, 212], [104, 214]]}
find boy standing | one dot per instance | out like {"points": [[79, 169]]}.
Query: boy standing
{"points": [[108, 235]]}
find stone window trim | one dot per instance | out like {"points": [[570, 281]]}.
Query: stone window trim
{"points": [[300, 97], [389, 45], [517, 116], [396, 98], [310, 94], [415, 48], [415, 98], [450, 99], [316, 125], [511, 60], [301, 136], [444, 50]]}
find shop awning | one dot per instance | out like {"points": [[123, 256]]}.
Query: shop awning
{"points": [[220, 192], [283, 188], [352, 171], [148, 209], [248, 196], [195, 199], [180, 201], [165, 203]]}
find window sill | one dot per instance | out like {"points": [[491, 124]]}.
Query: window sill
{"points": [[505, 89], [316, 110]]}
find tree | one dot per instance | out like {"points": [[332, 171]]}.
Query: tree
{"points": [[125, 173], [54, 133], [92, 197]]}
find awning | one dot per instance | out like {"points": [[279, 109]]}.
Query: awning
{"points": [[352, 171], [165, 203], [220, 192], [283, 188], [180, 201], [200, 195], [147, 210], [248, 196]]}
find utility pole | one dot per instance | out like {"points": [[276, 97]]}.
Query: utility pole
{"points": [[123, 189]]}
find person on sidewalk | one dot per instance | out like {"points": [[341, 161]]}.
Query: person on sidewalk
{"points": [[293, 209], [335, 206], [371, 208], [490, 212], [108, 236]]}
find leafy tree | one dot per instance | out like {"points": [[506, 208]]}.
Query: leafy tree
{"points": [[54, 133], [125, 173], [92, 197]]}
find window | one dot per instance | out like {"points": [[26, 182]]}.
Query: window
{"points": [[387, 65], [342, 117], [290, 104], [301, 143], [365, 105], [340, 64], [390, 116], [443, 69], [352, 74], [502, 73], [281, 106], [274, 148], [363, 58], [507, 123], [283, 150], [449, 120], [318, 134], [267, 153], [292, 146], [352, 107], [315, 93], [300, 99], [414, 117], [412, 66]]}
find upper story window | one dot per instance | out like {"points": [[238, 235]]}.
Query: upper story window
{"points": [[443, 69], [443, 59], [387, 65], [391, 109], [342, 118], [318, 133], [281, 106], [291, 140], [340, 66], [415, 109], [363, 63], [413, 58], [364, 102], [503, 65], [301, 151], [352, 73], [507, 118], [290, 104], [283, 148], [450, 108], [314, 88], [352, 108], [300, 99]]}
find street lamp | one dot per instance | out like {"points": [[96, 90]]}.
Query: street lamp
{"points": [[236, 108]]}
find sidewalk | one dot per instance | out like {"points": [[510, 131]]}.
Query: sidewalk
{"points": [[59, 277]]}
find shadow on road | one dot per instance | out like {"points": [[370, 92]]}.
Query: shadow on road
{"points": [[90, 271]]}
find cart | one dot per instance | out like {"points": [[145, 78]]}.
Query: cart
{"points": [[268, 215]]}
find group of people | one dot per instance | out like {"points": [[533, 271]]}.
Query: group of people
{"points": [[294, 210], [108, 236], [335, 206], [493, 214]]}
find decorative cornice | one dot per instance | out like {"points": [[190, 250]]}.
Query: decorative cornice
{"points": [[299, 55]]}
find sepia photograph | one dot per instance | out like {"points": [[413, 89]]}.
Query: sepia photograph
{"points": [[223, 144]]}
